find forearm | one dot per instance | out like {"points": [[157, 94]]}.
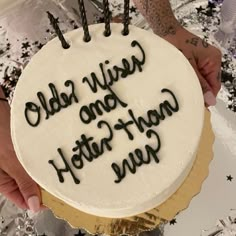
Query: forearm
{"points": [[159, 15]]}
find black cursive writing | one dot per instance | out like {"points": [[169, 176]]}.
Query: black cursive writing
{"points": [[54, 105], [138, 158]]}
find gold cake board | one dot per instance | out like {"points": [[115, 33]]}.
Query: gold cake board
{"points": [[151, 219]]}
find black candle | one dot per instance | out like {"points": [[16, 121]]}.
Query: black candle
{"points": [[106, 18], [126, 17], [55, 26], [87, 36]]}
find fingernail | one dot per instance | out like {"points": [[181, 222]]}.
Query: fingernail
{"points": [[209, 99], [34, 204]]}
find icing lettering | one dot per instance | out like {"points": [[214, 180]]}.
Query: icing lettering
{"points": [[154, 117], [90, 150], [85, 149], [125, 70], [66, 169], [30, 106], [138, 158], [90, 112], [55, 104]]}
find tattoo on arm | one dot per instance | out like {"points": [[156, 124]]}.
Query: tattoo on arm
{"points": [[195, 42], [159, 15]]}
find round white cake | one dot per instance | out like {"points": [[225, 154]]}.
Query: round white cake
{"points": [[111, 126]]}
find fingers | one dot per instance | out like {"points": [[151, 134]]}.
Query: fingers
{"points": [[16, 197], [215, 82], [27, 187], [213, 77], [204, 63], [9, 189], [29, 190], [209, 97]]}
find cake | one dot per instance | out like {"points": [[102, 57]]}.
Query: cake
{"points": [[110, 126]]}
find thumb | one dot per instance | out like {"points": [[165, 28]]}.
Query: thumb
{"points": [[209, 98], [29, 189]]}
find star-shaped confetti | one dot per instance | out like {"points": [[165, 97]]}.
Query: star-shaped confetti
{"points": [[199, 9], [101, 20], [80, 234], [25, 45], [40, 46], [133, 9], [211, 5], [209, 12], [25, 55], [229, 178], [173, 222]]}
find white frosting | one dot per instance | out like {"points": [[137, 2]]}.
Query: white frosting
{"points": [[97, 193]]}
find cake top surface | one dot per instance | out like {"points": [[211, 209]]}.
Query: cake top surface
{"points": [[110, 126]]}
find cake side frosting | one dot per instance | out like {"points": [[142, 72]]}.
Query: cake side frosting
{"points": [[147, 79]]}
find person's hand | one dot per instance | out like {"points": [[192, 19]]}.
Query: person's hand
{"points": [[15, 183], [205, 59]]}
